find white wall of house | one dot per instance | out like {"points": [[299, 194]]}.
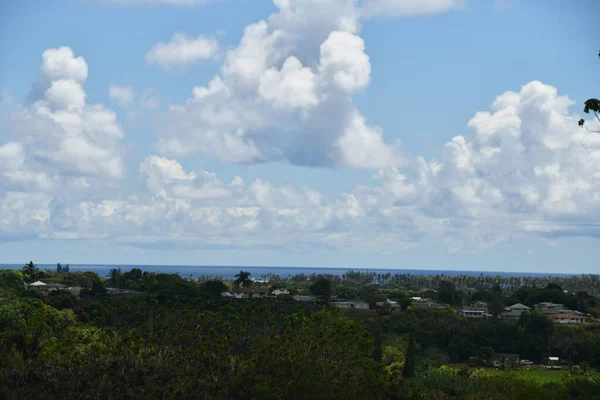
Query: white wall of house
{"points": [[568, 320]]}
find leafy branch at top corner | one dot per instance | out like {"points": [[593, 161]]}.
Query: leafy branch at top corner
{"points": [[592, 105]]}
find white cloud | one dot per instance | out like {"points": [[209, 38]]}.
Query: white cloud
{"points": [[123, 95], [59, 134], [182, 50], [292, 86], [284, 95], [344, 62], [407, 8], [61, 64], [149, 99], [166, 2]]}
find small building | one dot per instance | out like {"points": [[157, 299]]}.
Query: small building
{"points": [[55, 286], [518, 307], [75, 290], [252, 292], [393, 305], [357, 305], [431, 306], [304, 299], [474, 312], [553, 363], [565, 318], [279, 292], [37, 284], [546, 305], [504, 359], [511, 315]]}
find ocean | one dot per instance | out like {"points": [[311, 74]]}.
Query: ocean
{"points": [[228, 272]]}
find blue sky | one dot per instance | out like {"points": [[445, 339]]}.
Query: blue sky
{"points": [[326, 133]]}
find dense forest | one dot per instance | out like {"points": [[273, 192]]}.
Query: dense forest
{"points": [[143, 335]]}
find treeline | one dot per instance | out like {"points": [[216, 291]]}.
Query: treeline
{"points": [[167, 337]]}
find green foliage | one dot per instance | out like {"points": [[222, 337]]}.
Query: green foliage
{"points": [[31, 272], [411, 359], [536, 332], [591, 105], [243, 279], [321, 288], [213, 288]]}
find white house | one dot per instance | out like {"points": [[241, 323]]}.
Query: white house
{"points": [[249, 292], [474, 312], [279, 292], [567, 318]]}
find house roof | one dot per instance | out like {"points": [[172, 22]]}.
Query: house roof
{"points": [[485, 309], [37, 283], [348, 302], [56, 285], [519, 306], [548, 304], [252, 289], [304, 298]]}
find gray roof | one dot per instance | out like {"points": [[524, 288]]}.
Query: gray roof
{"points": [[349, 302], [304, 298], [519, 306], [474, 309]]}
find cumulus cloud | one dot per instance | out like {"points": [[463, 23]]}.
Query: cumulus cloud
{"points": [[524, 168], [121, 94], [284, 94], [59, 134], [166, 2], [407, 8], [182, 50]]}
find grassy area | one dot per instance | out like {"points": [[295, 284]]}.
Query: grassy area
{"points": [[540, 376]]}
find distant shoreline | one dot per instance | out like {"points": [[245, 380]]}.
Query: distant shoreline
{"points": [[229, 271]]}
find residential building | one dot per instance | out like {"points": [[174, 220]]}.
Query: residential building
{"points": [[511, 315], [514, 312], [249, 292], [474, 312], [546, 305], [304, 299], [518, 307], [393, 305], [430, 305], [564, 318], [279, 292], [504, 359], [358, 305]]}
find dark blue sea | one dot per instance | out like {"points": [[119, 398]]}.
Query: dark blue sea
{"points": [[229, 272]]}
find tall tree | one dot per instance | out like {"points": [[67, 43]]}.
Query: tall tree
{"points": [[114, 275], [592, 105], [31, 271], [321, 287], [243, 279]]}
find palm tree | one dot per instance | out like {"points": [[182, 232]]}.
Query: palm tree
{"points": [[243, 279], [31, 271], [113, 275]]}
